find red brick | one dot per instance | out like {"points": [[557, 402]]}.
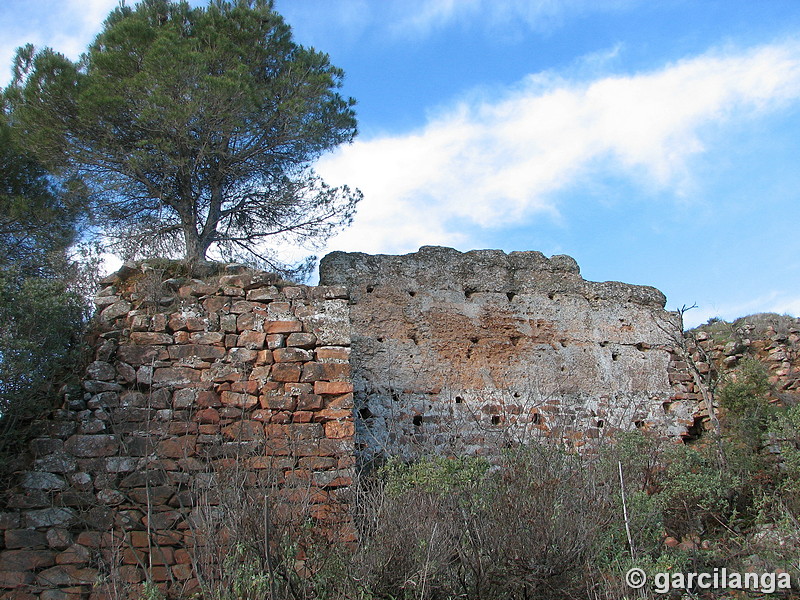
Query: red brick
{"points": [[246, 387], [15, 579], [309, 402], [176, 375], [24, 560], [182, 571], [345, 401], [74, 555], [281, 417], [303, 416], [339, 429], [333, 387], [286, 372], [202, 351], [301, 340], [332, 414], [279, 401], [283, 326], [333, 353], [207, 337], [253, 340], [150, 338], [177, 447], [239, 400], [261, 415], [25, 538], [275, 340], [315, 371], [181, 428], [264, 357], [89, 446], [207, 415], [317, 463], [306, 431], [244, 430], [196, 324], [208, 399], [288, 355]]}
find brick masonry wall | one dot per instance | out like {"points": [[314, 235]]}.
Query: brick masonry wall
{"points": [[452, 353], [188, 377], [715, 361]]}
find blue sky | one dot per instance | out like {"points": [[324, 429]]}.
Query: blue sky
{"points": [[656, 142]]}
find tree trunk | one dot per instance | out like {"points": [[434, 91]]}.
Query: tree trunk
{"points": [[195, 251]]}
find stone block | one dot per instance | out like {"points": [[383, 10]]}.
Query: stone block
{"points": [[244, 430], [316, 371], [89, 446], [329, 320], [264, 294], [333, 387], [137, 356], [178, 447], [332, 353], [284, 355], [74, 555], [301, 340], [37, 480], [101, 371], [26, 560], [253, 340], [309, 402], [16, 579], [151, 338], [242, 355], [201, 351], [286, 372], [207, 337], [272, 327], [116, 310], [24, 538], [276, 340], [339, 429], [175, 376], [278, 401], [238, 400]]}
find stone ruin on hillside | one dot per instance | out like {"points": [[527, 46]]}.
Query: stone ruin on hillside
{"points": [[436, 351]]}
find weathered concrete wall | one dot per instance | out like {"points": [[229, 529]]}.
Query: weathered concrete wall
{"points": [[464, 353], [238, 376]]}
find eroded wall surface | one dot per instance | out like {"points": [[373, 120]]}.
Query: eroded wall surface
{"points": [[242, 380], [469, 352]]}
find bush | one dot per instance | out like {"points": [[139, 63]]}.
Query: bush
{"points": [[41, 326]]}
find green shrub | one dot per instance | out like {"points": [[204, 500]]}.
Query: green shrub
{"points": [[436, 474]]}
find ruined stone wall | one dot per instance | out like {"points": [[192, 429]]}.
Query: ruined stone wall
{"points": [[193, 380], [466, 353], [190, 380]]}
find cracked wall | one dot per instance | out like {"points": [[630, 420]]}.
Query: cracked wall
{"points": [[469, 352]]}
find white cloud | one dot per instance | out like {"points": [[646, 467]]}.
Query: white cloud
{"points": [[67, 26], [424, 16], [491, 163]]}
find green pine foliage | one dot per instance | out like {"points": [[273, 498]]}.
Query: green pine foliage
{"points": [[192, 128]]}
